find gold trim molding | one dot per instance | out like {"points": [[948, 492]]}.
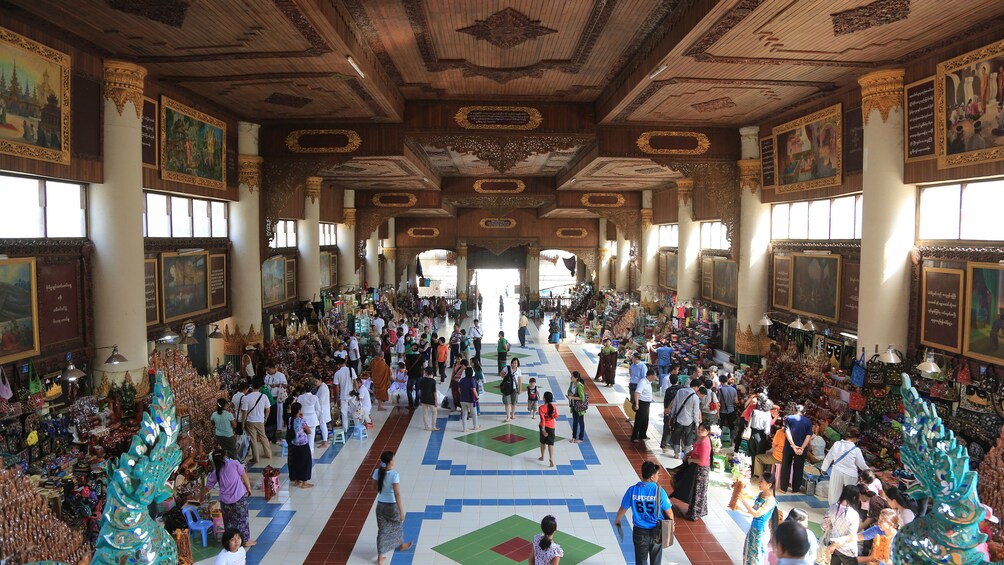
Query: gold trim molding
{"points": [[390, 253], [749, 175], [293, 141], [644, 143], [486, 223], [312, 189], [586, 200], [646, 217], [563, 233], [520, 186], [378, 200], [685, 191], [882, 90], [534, 119], [349, 217], [124, 82], [413, 232], [249, 171]]}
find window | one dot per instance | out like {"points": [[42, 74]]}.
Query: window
{"points": [[836, 218], [714, 235], [978, 205], [37, 208], [669, 235], [329, 234], [285, 234], [180, 216]]}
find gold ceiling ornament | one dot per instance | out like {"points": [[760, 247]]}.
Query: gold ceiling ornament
{"points": [[519, 118], [249, 171], [499, 204], [685, 191], [352, 141], [749, 175], [518, 186], [497, 223], [423, 232], [719, 179], [502, 152], [349, 217], [882, 90], [701, 143], [571, 233], [390, 253], [602, 200], [499, 245], [312, 189], [282, 177], [387, 200], [369, 220], [124, 82], [646, 218], [628, 221]]}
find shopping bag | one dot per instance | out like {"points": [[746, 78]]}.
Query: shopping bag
{"points": [[629, 408]]}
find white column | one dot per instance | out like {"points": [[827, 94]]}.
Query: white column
{"points": [[603, 258], [890, 208], [244, 225], [390, 255], [754, 240], [116, 228], [623, 260], [533, 276], [690, 243], [373, 259], [346, 235], [308, 243], [649, 278], [462, 271]]}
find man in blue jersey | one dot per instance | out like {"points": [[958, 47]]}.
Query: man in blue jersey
{"points": [[648, 503]]}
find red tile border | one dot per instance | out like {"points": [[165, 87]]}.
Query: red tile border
{"points": [[697, 542], [340, 533]]}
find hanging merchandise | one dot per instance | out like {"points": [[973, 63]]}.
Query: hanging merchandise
{"points": [[857, 402], [858, 373], [36, 392], [874, 371], [6, 393], [965, 376]]}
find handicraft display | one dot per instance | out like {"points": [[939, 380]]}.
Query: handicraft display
{"points": [[969, 108], [815, 285], [808, 151], [18, 309], [193, 146]]}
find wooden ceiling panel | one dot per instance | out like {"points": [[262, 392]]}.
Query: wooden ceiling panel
{"points": [[619, 174], [448, 162], [380, 173]]}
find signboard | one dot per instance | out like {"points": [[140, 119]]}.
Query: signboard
{"points": [[217, 280], [290, 278], [767, 176], [151, 285], [941, 292], [672, 270], [726, 279], [498, 117], [919, 120], [854, 140], [662, 269], [707, 278], [151, 151], [849, 294], [782, 283], [59, 318]]}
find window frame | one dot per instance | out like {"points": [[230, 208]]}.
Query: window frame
{"points": [[717, 231], [961, 219], [287, 224], [189, 203], [42, 197], [811, 234]]}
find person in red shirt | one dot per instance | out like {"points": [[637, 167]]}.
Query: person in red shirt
{"points": [[548, 414], [700, 459]]}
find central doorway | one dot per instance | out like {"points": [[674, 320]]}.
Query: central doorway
{"points": [[493, 283]]}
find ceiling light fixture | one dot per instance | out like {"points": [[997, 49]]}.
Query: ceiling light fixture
{"points": [[189, 339], [797, 324], [658, 71], [115, 358], [216, 333], [766, 321], [890, 356], [809, 326], [168, 335], [929, 366], [355, 66], [71, 374]]}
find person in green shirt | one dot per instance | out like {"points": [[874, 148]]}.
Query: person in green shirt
{"points": [[502, 350], [225, 424]]}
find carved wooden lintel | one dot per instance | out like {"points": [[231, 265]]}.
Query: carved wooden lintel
{"points": [[124, 83]]}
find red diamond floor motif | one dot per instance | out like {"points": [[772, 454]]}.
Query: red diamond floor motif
{"points": [[516, 549], [509, 438]]}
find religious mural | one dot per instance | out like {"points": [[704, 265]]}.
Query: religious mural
{"points": [[18, 312], [807, 151], [192, 146], [969, 99]]}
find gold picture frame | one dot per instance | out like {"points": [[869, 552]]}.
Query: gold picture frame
{"points": [[180, 276], [33, 63], [353, 141], [497, 223], [578, 233], [952, 112], [19, 307], [976, 274], [797, 169], [644, 143], [518, 186], [773, 283], [533, 118], [378, 200], [273, 281], [923, 311], [587, 200], [421, 232], [193, 146], [821, 281]]}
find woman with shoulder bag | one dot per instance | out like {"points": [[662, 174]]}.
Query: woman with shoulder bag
{"points": [[578, 401]]}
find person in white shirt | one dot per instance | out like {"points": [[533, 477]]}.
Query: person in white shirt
{"points": [[233, 552], [353, 351], [642, 401], [846, 460], [343, 380], [310, 411], [323, 409], [378, 324], [362, 400], [277, 384], [476, 335], [254, 411], [404, 326]]}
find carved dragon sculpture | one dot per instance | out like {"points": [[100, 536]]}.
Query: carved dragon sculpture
{"points": [[128, 534]]}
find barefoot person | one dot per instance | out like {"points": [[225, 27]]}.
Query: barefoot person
{"points": [[548, 414], [389, 509]]}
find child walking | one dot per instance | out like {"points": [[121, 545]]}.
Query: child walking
{"points": [[532, 398]]}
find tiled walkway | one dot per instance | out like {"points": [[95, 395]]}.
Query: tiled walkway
{"points": [[478, 497]]}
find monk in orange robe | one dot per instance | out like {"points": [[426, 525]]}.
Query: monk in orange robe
{"points": [[380, 373]]}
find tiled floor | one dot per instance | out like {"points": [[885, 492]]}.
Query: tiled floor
{"points": [[478, 497]]}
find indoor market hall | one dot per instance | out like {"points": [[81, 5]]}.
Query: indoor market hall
{"points": [[523, 281]]}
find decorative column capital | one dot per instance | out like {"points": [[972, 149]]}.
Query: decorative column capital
{"points": [[462, 250], [685, 191], [124, 82], [750, 133], [882, 90], [533, 252], [749, 175], [349, 218], [390, 253], [313, 189], [249, 171], [603, 251], [646, 218]]}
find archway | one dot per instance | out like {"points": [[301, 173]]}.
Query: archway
{"points": [[439, 273], [556, 277]]}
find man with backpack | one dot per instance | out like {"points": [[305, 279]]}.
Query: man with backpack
{"points": [[685, 415], [510, 388], [675, 384]]}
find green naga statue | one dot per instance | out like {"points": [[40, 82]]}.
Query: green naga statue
{"points": [[949, 533], [128, 534]]}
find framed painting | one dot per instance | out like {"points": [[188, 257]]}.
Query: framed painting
{"points": [[184, 284], [815, 286], [707, 278], [18, 309], [781, 287], [35, 105], [726, 279], [808, 151], [273, 281], [968, 104], [325, 270], [672, 271], [193, 146], [985, 308], [941, 314]]}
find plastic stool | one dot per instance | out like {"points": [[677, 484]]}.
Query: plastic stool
{"points": [[360, 432], [338, 435]]}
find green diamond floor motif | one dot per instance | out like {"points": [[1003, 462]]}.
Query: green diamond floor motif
{"points": [[478, 547], [493, 355], [506, 439]]}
